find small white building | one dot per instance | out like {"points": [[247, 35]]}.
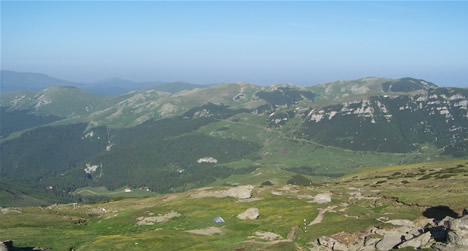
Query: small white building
{"points": [[207, 160], [127, 190]]}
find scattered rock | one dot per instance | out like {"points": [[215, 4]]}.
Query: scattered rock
{"points": [[276, 193], [240, 192], [389, 241], [95, 212], [159, 219], [346, 238], [268, 236], [321, 198], [10, 210]]}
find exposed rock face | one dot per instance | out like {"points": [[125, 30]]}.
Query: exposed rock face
{"points": [[249, 214], [418, 241], [458, 232], [322, 198], [458, 238], [458, 224], [448, 234], [241, 192], [406, 235], [332, 243], [389, 241]]}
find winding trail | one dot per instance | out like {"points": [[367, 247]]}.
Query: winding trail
{"points": [[319, 217], [292, 233]]}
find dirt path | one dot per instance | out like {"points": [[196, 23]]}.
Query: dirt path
{"points": [[292, 233], [89, 191], [319, 217]]}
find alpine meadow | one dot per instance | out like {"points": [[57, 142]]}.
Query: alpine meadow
{"points": [[233, 125]]}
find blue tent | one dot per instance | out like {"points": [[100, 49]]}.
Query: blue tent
{"points": [[218, 220]]}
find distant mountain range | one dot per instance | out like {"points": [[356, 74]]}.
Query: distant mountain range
{"points": [[68, 138], [25, 81]]}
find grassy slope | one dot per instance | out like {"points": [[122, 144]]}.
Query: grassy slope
{"points": [[118, 193], [55, 227], [283, 151]]}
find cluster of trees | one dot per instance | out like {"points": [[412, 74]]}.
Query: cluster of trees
{"points": [[161, 155], [18, 120], [285, 96]]}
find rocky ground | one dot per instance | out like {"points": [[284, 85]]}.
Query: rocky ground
{"points": [[395, 207]]}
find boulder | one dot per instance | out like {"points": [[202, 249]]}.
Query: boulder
{"points": [[390, 240], [322, 198], [6, 245], [457, 231], [249, 214], [331, 243], [460, 224], [240, 192], [445, 221], [458, 238], [417, 242]]}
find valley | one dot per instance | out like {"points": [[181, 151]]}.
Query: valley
{"points": [[329, 166]]}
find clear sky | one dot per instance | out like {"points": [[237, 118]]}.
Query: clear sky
{"points": [[303, 43]]}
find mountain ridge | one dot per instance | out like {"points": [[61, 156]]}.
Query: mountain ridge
{"points": [[241, 128]]}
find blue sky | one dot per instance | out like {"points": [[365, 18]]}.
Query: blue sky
{"points": [[259, 42]]}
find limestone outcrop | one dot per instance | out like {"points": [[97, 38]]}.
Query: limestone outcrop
{"points": [[249, 214]]}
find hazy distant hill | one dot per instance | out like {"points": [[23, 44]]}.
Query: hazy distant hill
{"points": [[366, 86], [25, 81], [117, 86]]}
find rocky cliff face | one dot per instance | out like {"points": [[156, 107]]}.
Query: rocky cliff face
{"points": [[389, 123]]}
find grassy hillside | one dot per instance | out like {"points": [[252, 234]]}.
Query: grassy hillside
{"points": [[366, 198]]}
